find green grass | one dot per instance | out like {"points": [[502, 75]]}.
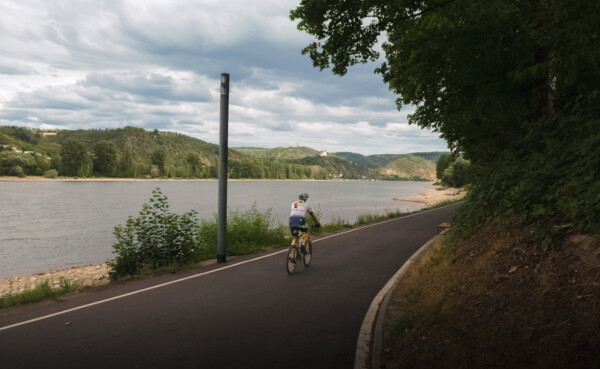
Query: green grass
{"points": [[42, 291]]}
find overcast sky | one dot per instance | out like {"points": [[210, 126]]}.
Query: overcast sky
{"points": [[157, 65]]}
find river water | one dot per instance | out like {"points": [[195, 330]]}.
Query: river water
{"points": [[48, 225]]}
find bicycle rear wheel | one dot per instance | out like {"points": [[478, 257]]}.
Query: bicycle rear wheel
{"points": [[307, 257], [290, 262]]}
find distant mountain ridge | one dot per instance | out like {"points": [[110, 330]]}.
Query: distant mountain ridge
{"points": [[137, 153]]}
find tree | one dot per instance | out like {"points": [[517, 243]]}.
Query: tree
{"points": [[514, 85], [17, 164], [127, 163], [105, 160], [457, 174], [159, 158], [75, 159], [194, 163], [443, 162]]}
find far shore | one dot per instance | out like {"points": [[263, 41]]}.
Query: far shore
{"points": [[104, 179], [95, 275]]}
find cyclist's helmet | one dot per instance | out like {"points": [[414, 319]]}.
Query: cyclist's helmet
{"points": [[303, 196]]}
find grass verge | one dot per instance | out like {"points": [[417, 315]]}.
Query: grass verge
{"points": [[41, 291]]}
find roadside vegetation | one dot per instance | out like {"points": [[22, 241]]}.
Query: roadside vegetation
{"points": [[41, 291], [157, 239], [498, 300], [513, 89]]}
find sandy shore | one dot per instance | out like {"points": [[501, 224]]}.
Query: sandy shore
{"points": [[96, 275], [436, 195], [90, 275]]}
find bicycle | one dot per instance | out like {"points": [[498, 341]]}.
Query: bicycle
{"points": [[296, 253]]}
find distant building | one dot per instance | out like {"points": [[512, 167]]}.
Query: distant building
{"points": [[48, 133], [323, 152]]}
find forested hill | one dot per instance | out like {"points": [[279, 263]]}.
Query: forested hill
{"points": [[136, 153]]}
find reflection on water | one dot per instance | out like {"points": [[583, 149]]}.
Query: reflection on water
{"points": [[49, 225]]}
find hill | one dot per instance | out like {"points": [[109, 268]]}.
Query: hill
{"points": [[357, 159], [131, 152], [279, 153], [409, 167], [434, 156]]}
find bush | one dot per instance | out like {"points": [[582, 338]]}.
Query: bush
{"points": [[17, 171], [457, 174], [52, 173], [155, 238]]}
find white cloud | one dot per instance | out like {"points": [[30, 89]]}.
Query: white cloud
{"points": [[156, 64]]}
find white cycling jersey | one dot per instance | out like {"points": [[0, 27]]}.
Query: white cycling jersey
{"points": [[299, 209]]}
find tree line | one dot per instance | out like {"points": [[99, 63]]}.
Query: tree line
{"points": [[512, 86], [137, 154]]}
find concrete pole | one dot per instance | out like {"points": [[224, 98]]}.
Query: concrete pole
{"points": [[223, 151]]}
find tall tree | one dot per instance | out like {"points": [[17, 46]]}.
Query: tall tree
{"points": [[159, 158], [75, 158], [514, 85], [105, 158]]}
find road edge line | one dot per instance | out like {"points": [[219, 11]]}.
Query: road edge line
{"points": [[370, 334]]}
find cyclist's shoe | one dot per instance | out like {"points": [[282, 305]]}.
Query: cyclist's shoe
{"points": [[303, 249]]}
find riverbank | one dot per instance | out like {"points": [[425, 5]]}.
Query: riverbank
{"points": [[436, 194], [96, 275], [106, 179]]}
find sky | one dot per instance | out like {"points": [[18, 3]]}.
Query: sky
{"points": [[157, 65]]}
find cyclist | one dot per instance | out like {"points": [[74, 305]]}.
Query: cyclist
{"points": [[298, 220]]}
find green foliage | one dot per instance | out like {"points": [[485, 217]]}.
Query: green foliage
{"points": [[512, 85], [457, 174], [52, 173], [248, 231], [357, 159], [16, 164], [75, 158], [135, 153], [153, 239], [158, 238], [159, 158], [443, 163], [42, 291], [105, 158], [368, 217], [408, 167]]}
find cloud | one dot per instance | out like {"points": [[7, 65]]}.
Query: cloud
{"points": [[156, 64]]}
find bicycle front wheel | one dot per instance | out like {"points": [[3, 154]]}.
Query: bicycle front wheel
{"points": [[290, 262], [306, 258]]}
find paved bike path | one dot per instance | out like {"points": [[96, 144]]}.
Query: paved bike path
{"points": [[246, 314]]}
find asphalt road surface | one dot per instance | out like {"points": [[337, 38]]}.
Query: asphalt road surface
{"points": [[246, 313]]}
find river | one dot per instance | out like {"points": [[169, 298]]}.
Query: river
{"points": [[48, 225]]}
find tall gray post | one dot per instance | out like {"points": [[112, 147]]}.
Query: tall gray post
{"points": [[223, 148]]}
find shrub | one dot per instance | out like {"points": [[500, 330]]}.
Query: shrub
{"points": [[52, 173], [17, 171], [457, 174], [155, 238]]}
